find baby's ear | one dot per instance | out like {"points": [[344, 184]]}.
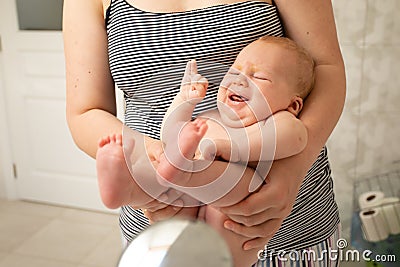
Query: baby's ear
{"points": [[295, 105]]}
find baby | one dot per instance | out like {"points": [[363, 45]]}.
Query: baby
{"points": [[256, 121]]}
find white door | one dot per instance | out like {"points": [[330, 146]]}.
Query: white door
{"points": [[49, 167]]}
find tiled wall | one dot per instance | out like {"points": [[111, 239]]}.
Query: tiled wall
{"points": [[366, 140]]}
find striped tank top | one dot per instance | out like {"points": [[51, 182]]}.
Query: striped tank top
{"points": [[148, 53]]}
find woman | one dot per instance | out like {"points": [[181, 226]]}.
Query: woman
{"points": [[130, 41]]}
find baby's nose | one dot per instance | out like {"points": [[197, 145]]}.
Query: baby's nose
{"points": [[241, 80]]}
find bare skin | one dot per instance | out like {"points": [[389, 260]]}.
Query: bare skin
{"points": [[193, 131], [108, 154], [111, 161]]}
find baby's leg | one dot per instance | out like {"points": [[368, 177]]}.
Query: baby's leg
{"points": [[117, 187], [175, 164], [241, 258], [180, 148]]}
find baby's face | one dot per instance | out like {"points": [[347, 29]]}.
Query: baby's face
{"points": [[259, 83]]}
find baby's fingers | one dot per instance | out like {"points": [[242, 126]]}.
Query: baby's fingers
{"points": [[190, 72], [191, 67]]}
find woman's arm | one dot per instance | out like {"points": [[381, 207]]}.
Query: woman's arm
{"points": [[311, 24], [91, 106], [90, 102]]}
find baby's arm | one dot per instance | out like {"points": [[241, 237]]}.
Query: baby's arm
{"points": [[283, 132], [291, 135], [193, 90]]}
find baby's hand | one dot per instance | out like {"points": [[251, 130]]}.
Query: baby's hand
{"points": [[194, 86]]}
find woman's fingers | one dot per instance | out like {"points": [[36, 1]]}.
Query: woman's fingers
{"points": [[255, 203], [154, 206], [256, 243], [266, 229], [154, 148], [164, 200], [255, 219], [165, 213]]}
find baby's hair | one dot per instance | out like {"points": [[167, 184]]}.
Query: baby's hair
{"points": [[305, 63]]}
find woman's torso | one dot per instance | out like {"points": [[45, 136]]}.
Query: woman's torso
{"points": [[148, 51]]}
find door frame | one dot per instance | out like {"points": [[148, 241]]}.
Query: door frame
{"points": [[7, 180], [6, 163]]}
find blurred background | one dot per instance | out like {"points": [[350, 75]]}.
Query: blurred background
{"points": [[366, 143]]}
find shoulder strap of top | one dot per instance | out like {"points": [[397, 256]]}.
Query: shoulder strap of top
{"points": [[108, 11]]}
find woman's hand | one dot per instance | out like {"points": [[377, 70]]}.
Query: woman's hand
{"points": [[159, 210], [261, 214], [154, 149]]}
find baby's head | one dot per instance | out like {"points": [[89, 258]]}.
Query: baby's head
{"points": [[303, 67], [269, 75]]}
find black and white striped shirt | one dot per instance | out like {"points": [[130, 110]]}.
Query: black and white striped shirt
{"points": [[148, 53]]}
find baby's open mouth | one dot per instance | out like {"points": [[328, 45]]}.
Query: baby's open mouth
{"points": [[237, 98]]}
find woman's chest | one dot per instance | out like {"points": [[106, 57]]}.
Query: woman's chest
{"points": [[144, 45], [168, 6]]}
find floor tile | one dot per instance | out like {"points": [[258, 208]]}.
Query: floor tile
{"points": [[2, 256], [82, 216], [30, 208], [64, 241], [17, 260], [108, 252], [17, 228]]}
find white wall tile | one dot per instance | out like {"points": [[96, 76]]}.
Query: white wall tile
{"points": [[350, 20], [381, 79], [342, 144], [383, 22], [378, 147]]}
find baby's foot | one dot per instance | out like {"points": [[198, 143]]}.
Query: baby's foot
{"points": [[174, 167], [113, 175]]}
